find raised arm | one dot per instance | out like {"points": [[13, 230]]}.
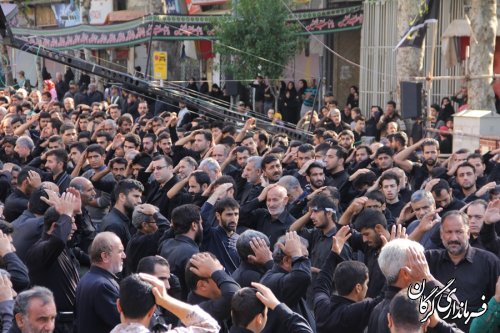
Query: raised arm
{"points": [[402, 158]]}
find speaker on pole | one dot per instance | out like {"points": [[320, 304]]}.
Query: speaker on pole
{"points": [[411, 99]]}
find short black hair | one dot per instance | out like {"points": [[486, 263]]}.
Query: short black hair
{"points": [[405, 312], [376, 195], [245, 306], [96, 148], [35, 204], [201, 177], [147, 264], [183, 216], [224, 203], [60, 154], [80, 146], [268, 159], [125, 186], [387, 176], [384, 150], [104, 134], [136, 297], [305, 148], [441, 185], [369, 218], [348, 274], [50, 216], [24, 174]]}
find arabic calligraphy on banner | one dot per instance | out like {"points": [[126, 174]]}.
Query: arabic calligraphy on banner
{"points": [[174, 28]]}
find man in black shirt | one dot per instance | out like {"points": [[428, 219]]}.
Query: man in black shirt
{"points": [[274, 220], [211, 287], [155, 192], [334, 164], [188, 231], [469, 266], [389, 186], [443, 195], [249, 310], [51, 263], [419, 171], [128, 195], [255, 257], [27, 181], [289, 278]]}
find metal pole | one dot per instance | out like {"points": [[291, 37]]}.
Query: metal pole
{"points": [[314, 103], [148, 60], [433, 26]]}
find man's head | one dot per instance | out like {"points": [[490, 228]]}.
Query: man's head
{"points": [[125, 123], [103, 139], [346, 139], [227, 212], [334, 159], [244, 247], [143, 219], [198, 182], [50, 219], [118, 166], [24, 146], [247, 311], [86, 189], [186, 220], [156, 266], [466, 176], [389, 185], [315, 175], [211, 167], [128, 194], [323, 212], [165, 143], [76, 151], [475, 212], [250, 143], [394, 263], [476, 160], [96, 155], [455, 232], [242, 155], [202, 141], [35, 310], [362, 153], [253, 170], [371, 223], [271, 168], [276, 201], [162, 166], [149, 143], [404, 314], [430, 150], [107, 252], [186, 166], [383, 158], [305, 152], [422, 202], [281, 258], [220, 153], [68, 133], [351, 280], [203, 286], [442, 193], [292, 186], [56, 161], [136, 300]]}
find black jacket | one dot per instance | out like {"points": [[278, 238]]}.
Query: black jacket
{"points": [[290, 288]]}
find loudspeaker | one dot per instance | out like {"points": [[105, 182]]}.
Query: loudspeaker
{"points": [[411, 99]]}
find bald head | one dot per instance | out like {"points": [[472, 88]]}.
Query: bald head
{"points": [[85, 187], [107, 252], [276, 201]]}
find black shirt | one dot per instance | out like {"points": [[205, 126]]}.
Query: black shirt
{"points": [[336, 313], [252, 216], [119, 223], [338, 179], [475, 275], [52, 265], [246, 273], [15, 204]]}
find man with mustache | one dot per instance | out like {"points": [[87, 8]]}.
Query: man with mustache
{"points": [[221, 239], [469, 266], [188, 230], [419, 171], [271, 168]]}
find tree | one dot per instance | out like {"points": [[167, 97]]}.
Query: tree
{"points": [[258, 32], [483, 20]]}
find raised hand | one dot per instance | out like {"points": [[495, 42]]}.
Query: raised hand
{"points": [[204, 265], [492, 214], [262, 253], [340, 238], [266, 296]]}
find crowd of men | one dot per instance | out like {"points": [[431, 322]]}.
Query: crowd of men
{"points": [[121, 218]]}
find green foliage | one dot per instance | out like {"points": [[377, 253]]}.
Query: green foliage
{"points": [[260, 31]]}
